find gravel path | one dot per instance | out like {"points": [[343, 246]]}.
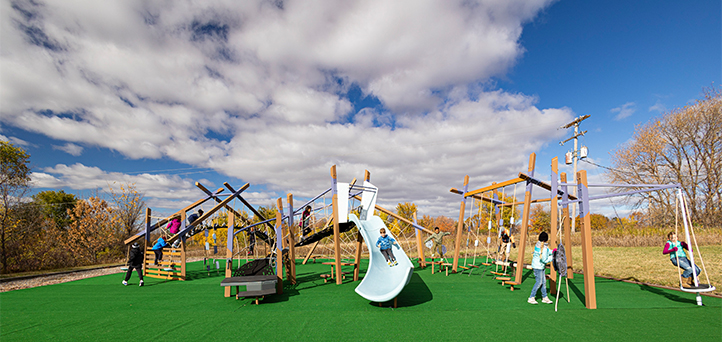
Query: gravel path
{"points": [[64, 278]]}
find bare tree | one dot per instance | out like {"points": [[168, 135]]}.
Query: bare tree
{"points": [[684, 146]]}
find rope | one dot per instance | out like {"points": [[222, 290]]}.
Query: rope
{"points": [[699, 252]]}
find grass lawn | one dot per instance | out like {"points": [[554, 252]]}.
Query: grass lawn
{"points": [[432, 307]]}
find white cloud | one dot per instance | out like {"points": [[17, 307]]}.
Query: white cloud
{"points": [[624, 110], [658, 107], [16, 141], [70, 148], [257, 92]]}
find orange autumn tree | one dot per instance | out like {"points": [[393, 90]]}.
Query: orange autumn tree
{"points": [[96, 232]]}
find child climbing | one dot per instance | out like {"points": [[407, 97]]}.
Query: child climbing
{"points": [[174, 225], [542, 256], [306, 222], [438, 239], [675, 249], [158, 249], [135, 261], [506, 241], [384, 244], [194, 216]]}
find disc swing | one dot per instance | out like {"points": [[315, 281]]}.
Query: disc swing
{"points": [[694, 286]]}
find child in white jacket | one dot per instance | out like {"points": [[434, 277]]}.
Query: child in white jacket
{"points": [[542, 256]]}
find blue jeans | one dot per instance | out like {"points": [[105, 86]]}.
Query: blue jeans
{"points": [[686, 266], [540, 282]]}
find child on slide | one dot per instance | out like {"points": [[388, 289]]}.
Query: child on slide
{"points": [[675, 249], [542, 256], [384, 244]]}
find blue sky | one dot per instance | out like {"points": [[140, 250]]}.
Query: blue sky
{"points": [[274, 93]]}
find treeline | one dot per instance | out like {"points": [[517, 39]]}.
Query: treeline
{"points": [[53, 229]]}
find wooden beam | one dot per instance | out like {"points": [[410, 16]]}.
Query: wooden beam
{"points": [[218, 200], [165, 220], [308, 256], [567, 232], [494, 187], [460, 228], [207, 214], [524, 223], [291, 240], [419, 246], [590, 292], [482, 198], [544, 185], [279, 250], [554, 218], [396, 216], [249, 206], [229, 254], [336, 230]]}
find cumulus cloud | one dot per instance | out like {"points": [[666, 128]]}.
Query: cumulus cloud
{"points": [[259, 90], [624, 111], [70, 148]]}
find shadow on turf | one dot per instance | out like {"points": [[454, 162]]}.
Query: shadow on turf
{"points": [[665, 293], [415, 293]]}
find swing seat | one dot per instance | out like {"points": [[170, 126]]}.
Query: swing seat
{"points": [[698, 289], [123, 268]]}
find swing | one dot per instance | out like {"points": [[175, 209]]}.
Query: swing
{"points": [[698, 287]]}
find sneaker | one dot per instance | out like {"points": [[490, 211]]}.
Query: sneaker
{"points": [[396, 262], [141, 283], [546, 300], [389, 263], [125, 283], [531, 301]]}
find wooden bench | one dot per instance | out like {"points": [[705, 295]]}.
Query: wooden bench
{"points": [[256, 286]]}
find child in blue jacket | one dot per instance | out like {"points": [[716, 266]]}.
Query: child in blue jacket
{"points": [[542, 256], [384, 244], [158, 249]]}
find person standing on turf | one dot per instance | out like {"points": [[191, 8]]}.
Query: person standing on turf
{"points": [[135, 261], [384, 244], [438, 239], [542, 256]]}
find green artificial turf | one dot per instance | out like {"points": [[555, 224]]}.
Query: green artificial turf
{"points": [[431, 307]]}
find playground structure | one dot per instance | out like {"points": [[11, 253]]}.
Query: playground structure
{"points": [[381, 282], [560, 196]]}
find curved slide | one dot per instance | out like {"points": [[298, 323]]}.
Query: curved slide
{"points": [[381, 283]]}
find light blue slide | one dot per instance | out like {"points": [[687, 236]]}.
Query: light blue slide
{"points": [[382, 282]]}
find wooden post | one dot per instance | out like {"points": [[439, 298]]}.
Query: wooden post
{"points": [[146, 240], [279, 246], [590, 292], [419, 245], [291, 240], [554, 219], [336, 231], [525, 222], [460, 226], [567, 227], [357, 261], [229, 251]]}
